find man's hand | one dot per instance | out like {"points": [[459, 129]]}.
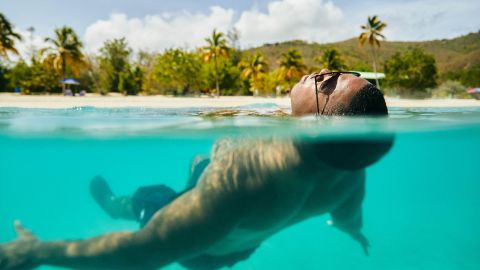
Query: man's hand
{"points": [[19, 253]]}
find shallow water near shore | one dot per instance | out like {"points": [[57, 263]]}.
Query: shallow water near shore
{"points": [[422, 205]]}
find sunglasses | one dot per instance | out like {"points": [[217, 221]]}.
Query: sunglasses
{"points": [[328, 86]]}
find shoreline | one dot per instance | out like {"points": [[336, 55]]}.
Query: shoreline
{"points": [[9, 100]]}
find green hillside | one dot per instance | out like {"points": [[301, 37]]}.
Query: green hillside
{"points": [[450, 54]]}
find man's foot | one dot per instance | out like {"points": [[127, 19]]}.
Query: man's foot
{"points": [[103, 195]]}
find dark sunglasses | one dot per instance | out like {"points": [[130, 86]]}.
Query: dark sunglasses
{"points": [[327, 86]]}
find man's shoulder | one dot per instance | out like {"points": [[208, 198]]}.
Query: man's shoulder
{"points": [[265, 152]]}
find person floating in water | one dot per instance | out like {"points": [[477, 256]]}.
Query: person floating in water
{"points": [[245, 192]]}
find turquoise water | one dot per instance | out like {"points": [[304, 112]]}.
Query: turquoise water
{"points": [[422, 208]]}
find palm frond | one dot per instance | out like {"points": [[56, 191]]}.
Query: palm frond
{"points": [[372, 31], [7, 37], [65, 53]]}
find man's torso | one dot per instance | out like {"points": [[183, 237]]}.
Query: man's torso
{"points": [[280, 190]]}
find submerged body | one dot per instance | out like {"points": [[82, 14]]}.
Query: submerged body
{"points": [[278, 187], [249, 191], [275, 190]]}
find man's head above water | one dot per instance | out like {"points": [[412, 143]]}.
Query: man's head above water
{"points": [[347, 95], [344, 94]]}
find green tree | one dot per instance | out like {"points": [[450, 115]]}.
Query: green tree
{"points": [[89, 78], [146, 62], [130, 81], [178, 71], [19, 75], [269, 83], [331, 59], [412, 72], [65, 55], [7, 37], [252, 68], [34, 78], [450, 89], [138, 75], [229, 78], [469, 76], [114, 62], [372, 33], [217, 48], [292, 66], [4, 86]]}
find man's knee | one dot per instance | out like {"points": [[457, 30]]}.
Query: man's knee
{"points": [[198, 165], [199, 162]]}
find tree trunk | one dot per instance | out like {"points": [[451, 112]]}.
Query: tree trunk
{"points": [[64, 66], [63, 75], [254, 82], [375, 66], [216, 77]]}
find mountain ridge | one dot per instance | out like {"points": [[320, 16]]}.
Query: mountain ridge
{"points": [[456, 53]]}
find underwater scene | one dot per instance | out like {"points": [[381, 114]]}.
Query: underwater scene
{"points": [[422, 198]]}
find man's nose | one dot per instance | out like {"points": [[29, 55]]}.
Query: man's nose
{"points": [[323, 71]]}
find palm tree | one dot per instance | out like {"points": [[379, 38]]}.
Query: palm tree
{"points": [[331, 60], [7, 37], [217, 47], [252, 67], [66, 54], [291, 65], [372, 34]]}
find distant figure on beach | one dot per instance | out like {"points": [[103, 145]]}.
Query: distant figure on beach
{"points": [[236, 198]]}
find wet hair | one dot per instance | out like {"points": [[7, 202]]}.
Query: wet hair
{"points": [[357, 152], [368, 101]]}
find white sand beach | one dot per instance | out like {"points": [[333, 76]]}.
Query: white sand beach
{"points": [[118, 101]]}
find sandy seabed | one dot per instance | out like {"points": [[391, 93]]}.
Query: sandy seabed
{"points": [[118, 101]]}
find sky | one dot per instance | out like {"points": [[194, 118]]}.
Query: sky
{"points": [[161, 24]]}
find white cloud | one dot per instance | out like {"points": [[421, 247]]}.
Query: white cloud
{"points": [[312, 20], [281, 20], [157, 32]]}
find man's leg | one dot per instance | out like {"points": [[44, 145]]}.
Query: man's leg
{"points": [[197, 166], [116, 207], [139, 207], [146, 200]]}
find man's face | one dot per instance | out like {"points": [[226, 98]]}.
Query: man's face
{"points": [[341, 89]]}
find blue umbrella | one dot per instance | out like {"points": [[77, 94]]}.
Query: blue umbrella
{"points": [[69, 81], [66, 89]]}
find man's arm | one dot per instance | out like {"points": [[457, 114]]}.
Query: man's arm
{"points": [[187, 226], [348, 216]]}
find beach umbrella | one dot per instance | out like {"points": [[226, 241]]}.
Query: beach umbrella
{"points": [[69, 81], [66, 83], [474, 92]]}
